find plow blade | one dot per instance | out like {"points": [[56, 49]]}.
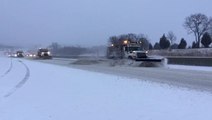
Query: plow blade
{"points": [[150, 59]]}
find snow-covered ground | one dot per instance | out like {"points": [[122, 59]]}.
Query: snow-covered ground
{"points": [[32, 90], [187, 67]]}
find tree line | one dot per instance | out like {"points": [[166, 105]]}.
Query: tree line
{"points": [[60, 50], [197, 24], [117, 41]]}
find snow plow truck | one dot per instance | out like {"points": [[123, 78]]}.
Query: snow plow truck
{"points": [[133, 52], [44, 53]]}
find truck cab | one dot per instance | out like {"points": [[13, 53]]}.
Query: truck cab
{"points": [[44, 53], [20, 54], [134, 51]]}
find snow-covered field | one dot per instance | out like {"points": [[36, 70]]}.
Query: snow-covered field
{"points": [[32, 90]]}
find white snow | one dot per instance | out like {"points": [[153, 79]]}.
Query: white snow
{"points": [[60, 93], [187, 67]]}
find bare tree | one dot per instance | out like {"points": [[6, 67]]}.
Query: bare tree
{"points": [[198, 24], [171, 37]]}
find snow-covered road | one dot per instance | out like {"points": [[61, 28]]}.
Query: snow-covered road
{"points": [[51, 92], [193, 77]]}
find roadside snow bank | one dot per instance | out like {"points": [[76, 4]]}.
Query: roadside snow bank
{"points": [[186, 67]]}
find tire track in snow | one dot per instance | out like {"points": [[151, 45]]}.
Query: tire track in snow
{"points": [[22, 82], [9, 69]]}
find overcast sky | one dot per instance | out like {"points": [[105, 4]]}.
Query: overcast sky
{"points": [[92, 22]]}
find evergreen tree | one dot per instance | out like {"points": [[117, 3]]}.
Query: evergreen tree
{"points": [[182, 44], [174, 46], [194, 45], [150, 46], [157, 46], [164, 42], [206, 40]]}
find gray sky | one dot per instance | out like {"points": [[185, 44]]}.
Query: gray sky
{"points": [[91, 22]]}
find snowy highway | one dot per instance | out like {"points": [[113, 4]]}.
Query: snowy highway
{"points": [[194, 77], [34, 90]]}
